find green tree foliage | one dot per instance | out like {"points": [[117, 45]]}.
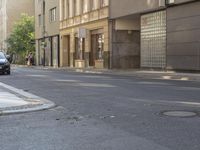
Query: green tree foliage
{"points": [[20, 41]]}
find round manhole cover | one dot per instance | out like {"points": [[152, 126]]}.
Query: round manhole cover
{"points": [[179, 113]]}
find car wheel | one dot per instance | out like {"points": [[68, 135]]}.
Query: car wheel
{"points": [[8, 72]]}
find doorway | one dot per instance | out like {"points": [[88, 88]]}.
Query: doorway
{"points": [[66, 51]]}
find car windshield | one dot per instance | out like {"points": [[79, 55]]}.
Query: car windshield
{"points": [[2, 56]]}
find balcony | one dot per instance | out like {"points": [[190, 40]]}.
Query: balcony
{"points": [[85, 18]]}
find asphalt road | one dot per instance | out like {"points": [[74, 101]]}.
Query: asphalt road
{"points": [[102, 112]]}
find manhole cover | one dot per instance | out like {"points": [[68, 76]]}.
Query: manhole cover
{"points": [[179, 113]]}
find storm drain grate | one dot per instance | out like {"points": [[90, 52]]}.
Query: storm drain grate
{"points": [[179, 113]]}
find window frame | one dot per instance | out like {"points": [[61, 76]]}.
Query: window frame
{"points": [[52, 15]]}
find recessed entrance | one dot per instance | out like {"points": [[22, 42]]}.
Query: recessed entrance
{"points": [[66, 51]]}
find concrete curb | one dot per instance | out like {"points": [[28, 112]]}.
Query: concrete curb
{"points": [[36, 103]]}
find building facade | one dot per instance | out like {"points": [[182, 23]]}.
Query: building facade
{"points": [[47, 32], [155, 34], [10, 12], [84, 33]]}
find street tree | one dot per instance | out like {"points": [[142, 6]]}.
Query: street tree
{"points": [[20, 41]]}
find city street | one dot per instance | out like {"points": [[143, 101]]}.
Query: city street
{"points": [[102, 112]]}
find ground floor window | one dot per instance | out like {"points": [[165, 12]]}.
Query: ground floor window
{"points": [[48, 51]]}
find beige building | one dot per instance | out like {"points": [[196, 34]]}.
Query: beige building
{"points": [[10, 12], [47, 32], [84, 33]]}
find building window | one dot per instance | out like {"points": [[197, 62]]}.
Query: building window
{"points": [[52, 14], [40, 20], [104, 3]]}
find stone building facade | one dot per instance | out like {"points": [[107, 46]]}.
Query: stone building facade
{"points": [[84, 33]]}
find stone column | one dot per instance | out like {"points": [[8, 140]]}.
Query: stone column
{"points": [[79, 7], [66, 7], [61, 10], [71, 8], [96, 4]]}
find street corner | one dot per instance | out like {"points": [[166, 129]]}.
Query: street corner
{"points": [[14, 101]]}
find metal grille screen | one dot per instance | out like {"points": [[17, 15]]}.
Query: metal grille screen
{"points": [[153, 40]]}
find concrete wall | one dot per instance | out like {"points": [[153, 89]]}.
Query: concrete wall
{"points": [[52, 27], [127, 24], [10, 13], [38, 11], [183, 37], [120, 8], [14, 10], [125, 49]]}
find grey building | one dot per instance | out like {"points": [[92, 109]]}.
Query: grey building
{"points": [[10, 12], [47, 32], [161, 34]]}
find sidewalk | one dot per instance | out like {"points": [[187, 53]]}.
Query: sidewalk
{"points": [[165, 75], [14, 101], [149, 74]]}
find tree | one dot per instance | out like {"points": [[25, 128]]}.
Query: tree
{"points": [[20, 41]]}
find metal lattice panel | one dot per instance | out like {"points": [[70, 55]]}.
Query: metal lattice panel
{"points": [[153, 40]]}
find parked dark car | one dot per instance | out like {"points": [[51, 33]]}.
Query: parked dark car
{"points": [[4, 63]]}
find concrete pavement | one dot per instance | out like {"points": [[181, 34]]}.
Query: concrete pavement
{"points": [[14, 100], [98, 111]]}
